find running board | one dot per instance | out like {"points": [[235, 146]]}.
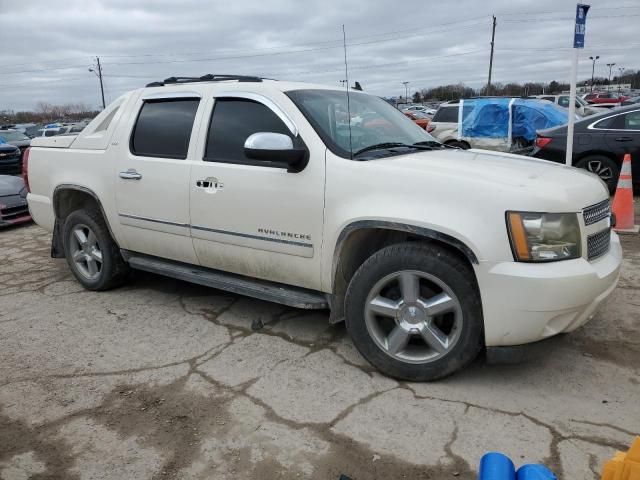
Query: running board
{"points": [[273, 292]]}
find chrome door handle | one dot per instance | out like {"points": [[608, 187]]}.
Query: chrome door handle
{"points": [[624, 139], [130, 174]]}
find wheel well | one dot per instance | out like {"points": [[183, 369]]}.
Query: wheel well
{"points": [[457, 142], [359, 244], [68, 200], [602, 153]]}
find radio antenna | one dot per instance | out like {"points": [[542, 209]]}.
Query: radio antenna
{"points": [[346, 74]]}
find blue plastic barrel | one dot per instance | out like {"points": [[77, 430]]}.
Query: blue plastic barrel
{"points": [[535, 472], [496, 466]]}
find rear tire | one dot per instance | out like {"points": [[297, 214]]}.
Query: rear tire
{"points": [[414, 312], [92, 255], [604, 167]]}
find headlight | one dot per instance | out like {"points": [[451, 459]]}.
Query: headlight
{"points": [[544, 237]]}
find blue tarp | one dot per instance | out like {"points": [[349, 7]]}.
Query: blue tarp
{"points": [[490, 117]]}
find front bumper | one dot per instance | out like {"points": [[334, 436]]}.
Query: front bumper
{"points": [[13, 210], [527, 302]]}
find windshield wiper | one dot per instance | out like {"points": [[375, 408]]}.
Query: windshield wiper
{"points": [[429, 143], [389, 145]]}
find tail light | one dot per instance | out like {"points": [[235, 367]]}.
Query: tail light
{"points": [[542, 142], [25, 169], [430, 128]]}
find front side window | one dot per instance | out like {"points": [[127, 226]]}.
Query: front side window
{"points": [[163, 128], [233, 121], [564, 101]]}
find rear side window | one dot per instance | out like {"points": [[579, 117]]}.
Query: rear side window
{"points": [[551, 99], [163, 128], [446, 114], [232, 122], [606, 123], [632, 121]]}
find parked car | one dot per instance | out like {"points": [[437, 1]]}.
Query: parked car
{"points": [[13, 201], [419, 108], [418, 118], [33, 131], [15, 138], [599, 145], [495, 123], [429, 253], [582, 107], [10, 159], [608, 99], [631, 101]]}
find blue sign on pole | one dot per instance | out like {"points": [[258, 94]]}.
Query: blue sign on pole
{"points": [[581, 21]]}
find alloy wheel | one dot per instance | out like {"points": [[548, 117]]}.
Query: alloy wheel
{"points": [[413, 316], [85, 252]]}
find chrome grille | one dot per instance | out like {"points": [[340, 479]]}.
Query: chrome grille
{"points": [[598, 244], [597, 212]]}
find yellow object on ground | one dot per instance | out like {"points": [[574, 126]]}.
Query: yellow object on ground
{"points": [[624, 466]]}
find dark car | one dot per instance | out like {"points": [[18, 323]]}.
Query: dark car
{"points": [[13, 201], [599, 144], [15, 138], [10, 159]]}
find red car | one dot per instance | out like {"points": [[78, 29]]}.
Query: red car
{"points": [[421, 120], [604, 97]]}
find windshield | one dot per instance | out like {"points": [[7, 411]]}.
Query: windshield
{"points": [[373, 121], [12, 136]]}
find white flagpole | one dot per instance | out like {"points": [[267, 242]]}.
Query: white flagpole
{"points": [[572, 107]]}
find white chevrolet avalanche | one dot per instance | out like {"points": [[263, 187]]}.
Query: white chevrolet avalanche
{"points": [[274, 190]]}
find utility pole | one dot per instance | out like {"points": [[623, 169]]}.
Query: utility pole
{"points": [[98, 71], [493, 38], [610, 65], [593, 68], [406, 92]]}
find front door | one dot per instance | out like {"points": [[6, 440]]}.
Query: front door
{"points": [[153, 172], [253, 217]]}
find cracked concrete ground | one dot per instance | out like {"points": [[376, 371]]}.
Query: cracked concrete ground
{"points": [[162, 379]]}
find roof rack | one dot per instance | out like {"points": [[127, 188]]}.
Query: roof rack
{"points": [[205, 78]]}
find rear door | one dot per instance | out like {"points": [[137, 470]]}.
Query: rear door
{"points": [[253, 217], [153, 171], [624, 136]]}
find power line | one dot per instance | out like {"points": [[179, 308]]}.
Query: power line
{"points": [[325, 42]]}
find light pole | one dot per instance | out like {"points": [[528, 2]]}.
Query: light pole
{"points": [[406, 91], [593, 68], [621, 70], [98, 71], [610, 65]]}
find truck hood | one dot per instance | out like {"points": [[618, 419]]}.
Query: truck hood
{"points": [[526, 181]]}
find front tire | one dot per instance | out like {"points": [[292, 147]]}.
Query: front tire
{"points": [[604, 167], [92, 255], [414, 312]]}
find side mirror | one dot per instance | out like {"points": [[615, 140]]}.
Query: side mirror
{"points": [[277, 149]]}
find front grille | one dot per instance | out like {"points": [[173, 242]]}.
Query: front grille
{"points": [[13, 212], [598, 244], [597, 212]]}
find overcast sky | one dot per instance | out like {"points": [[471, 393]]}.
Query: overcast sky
{"points": [[48, 46]]}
